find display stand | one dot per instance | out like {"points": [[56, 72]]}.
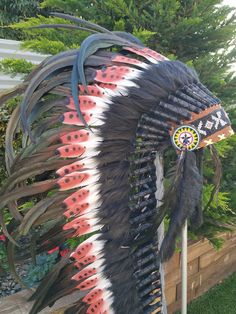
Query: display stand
{"points": [[184, 270], [184, 248], [160, 232]]}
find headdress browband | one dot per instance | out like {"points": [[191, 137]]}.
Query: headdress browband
{"points": [[205, 128]]}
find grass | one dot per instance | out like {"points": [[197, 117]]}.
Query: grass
{"points": [[219, 300]]}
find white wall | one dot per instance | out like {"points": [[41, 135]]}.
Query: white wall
{"points": [[11, 49]]}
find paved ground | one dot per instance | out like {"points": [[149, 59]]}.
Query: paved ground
{"points": [[17, 304]]}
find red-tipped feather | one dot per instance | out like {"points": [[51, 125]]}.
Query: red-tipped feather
{"points": [[123, 59], [87, 103], [108, 86], [75, 137], [115, 74], [147, 53], [83, 225], [76, 210], [76, 197], [85, 261], [93, 296], [73, 180], [93, 90], [71, 151], [85, 273], [96, 307], [88, 283], [76, 166], [72, 118]]}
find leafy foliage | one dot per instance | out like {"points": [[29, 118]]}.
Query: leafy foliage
{"points": [[15, 66], [44, 262], [218, 217], [12, 11], [50, 41], [196, 32], [3, 257]]}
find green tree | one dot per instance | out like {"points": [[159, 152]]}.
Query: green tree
{"points": [[198, 32], [12, 11]]}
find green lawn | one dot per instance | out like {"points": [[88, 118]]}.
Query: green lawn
{"points": [[218, 300]]}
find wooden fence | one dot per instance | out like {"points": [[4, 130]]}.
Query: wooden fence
{"points": [[206, 268]]}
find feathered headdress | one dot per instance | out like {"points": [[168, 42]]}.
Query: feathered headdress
{"points": [[93, 120]]}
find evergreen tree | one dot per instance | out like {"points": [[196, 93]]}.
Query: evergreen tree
{"points": [[12, 11], [198, 32]]}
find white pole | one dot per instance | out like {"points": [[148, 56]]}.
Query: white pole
{"points": [[159, 196], [184, 272]]}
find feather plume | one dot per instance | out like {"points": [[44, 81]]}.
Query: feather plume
{"points": [[66, 26], [217, 174], [188, 188], [78, 20]]}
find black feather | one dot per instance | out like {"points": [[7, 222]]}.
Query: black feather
{"points": [[81, 21], [217, 174], [196, 218], [188, 195], [66, 26]]}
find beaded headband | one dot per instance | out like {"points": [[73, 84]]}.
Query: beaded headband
{"points": [[205, 128]]}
